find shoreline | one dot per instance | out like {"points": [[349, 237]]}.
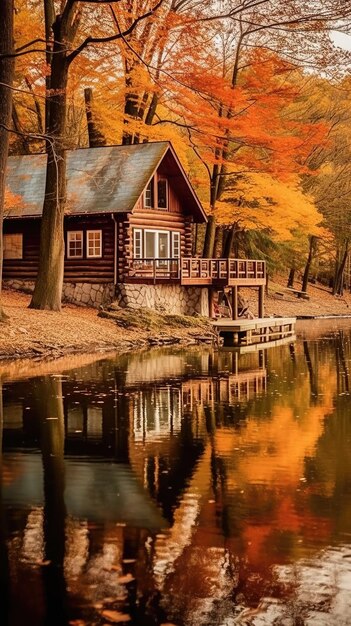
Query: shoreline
{"points": [[47, 335]]}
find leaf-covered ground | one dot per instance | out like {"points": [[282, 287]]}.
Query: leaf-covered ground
{"points": [[31, 333]]}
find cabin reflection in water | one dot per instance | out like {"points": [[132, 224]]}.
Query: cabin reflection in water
{"points": [[106, 407], [237, 474], [143, 413]]}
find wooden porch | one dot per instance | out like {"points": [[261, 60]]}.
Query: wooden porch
{"points": [[196, 271]]}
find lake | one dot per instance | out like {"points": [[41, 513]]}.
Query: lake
{"points": [[196, 487]]}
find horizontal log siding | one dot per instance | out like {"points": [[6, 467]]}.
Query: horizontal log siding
{"points": [[27, 267], [91, 270], [76, 270]]}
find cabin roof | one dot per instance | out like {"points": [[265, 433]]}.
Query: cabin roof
{"points": [[107, 179]]}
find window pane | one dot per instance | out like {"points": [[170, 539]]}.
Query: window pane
{"points": [[176, 245], [137, 244], [150, 245], [162, 194], [163, 245], [13, 246]]}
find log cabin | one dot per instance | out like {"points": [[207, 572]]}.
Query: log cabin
{"points": [[128, 227]]}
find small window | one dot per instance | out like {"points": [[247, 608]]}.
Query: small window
{"points": [[175, 245], [149, 195], [94, 243], [13, 246], [75, 244], [162, 194], [137, 244]]}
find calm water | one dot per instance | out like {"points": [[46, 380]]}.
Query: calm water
{"points": [[179, 487]]}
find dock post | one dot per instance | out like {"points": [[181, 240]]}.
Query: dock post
{"points": [[235, 313], [211, 313], [261, 301]]}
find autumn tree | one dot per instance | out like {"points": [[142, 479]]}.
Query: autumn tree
{"points": [[6, 80], [60, 55], [331, 162]]}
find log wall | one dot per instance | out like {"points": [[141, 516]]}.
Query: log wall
{"points": [[76, 270]]}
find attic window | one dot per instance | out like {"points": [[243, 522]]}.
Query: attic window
{"points": [[13, 246], [162, 194], [149, 195], [156, 194]]}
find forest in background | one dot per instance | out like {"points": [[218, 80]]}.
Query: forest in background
{"points": [[253, 94]]}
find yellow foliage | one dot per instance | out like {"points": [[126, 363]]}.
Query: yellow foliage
{"points": [[260, 201]]}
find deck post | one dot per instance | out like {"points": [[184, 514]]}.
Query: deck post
{"points": [[235, 314], [261, 301]]}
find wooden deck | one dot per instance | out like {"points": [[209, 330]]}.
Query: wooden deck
{"points": [[255, 331], [197, 271]]}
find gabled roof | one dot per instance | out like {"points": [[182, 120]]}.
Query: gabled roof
{"points": [[109, 179]]}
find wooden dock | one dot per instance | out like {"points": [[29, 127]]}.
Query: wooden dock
{"points": [[255, 331]]}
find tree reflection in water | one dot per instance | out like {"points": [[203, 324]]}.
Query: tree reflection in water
{"points": [[189, 487], [48, 400]]}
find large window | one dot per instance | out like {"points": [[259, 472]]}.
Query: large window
{"points": [[156, 244], [94, 243], [13, 246], [75, 244]]}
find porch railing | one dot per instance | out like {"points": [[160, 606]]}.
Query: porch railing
{"points": [[192, 269], [154, 269], [222, 269]]}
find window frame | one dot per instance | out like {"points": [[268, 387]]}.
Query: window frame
{"points": [[151, 185], [12, 258], [75, 232], [165, 182], [176, 235], [138, 232], [173, 243], [157, 232], [90, 232]]}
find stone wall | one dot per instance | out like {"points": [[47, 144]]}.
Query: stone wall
{"points": [[88, 294], [171, 299]]}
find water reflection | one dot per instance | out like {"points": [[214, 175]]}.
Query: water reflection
{"points": [[187, 487]]}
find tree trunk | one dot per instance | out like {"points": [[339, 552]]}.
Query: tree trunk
{"points": [[311, 254], [96, 138], [229, 241], [209, 237], [291, 277], [6, 80], [48, 286], [217, 247], [339, 276]]}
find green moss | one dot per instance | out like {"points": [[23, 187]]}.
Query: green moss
{"points": [[149, 320]]}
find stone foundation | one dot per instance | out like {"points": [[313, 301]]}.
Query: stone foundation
{"points": [[171, 299], [86, 294]]}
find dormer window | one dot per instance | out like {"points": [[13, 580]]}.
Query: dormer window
{"points": [[156, 194]]}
